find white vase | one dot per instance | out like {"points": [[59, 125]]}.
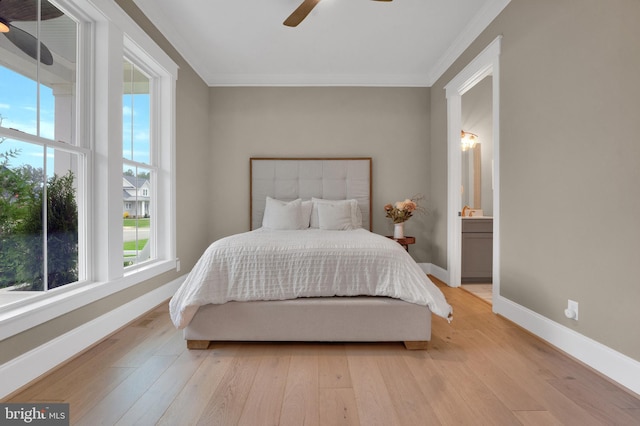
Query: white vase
{"points": [[398, 230]]}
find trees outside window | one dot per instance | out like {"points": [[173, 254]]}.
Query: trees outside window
{"points": [[38, 225]]}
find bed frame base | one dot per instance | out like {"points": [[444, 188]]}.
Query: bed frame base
{"points": [[337, 319]]}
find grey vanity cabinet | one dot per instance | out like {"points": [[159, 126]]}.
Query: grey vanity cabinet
{"points": [[477, 250]]}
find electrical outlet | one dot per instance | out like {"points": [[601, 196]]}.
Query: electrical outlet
{"points": [[572, 310]]}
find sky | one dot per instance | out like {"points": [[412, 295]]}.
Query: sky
{"points": [[19, 105], [18, 108]]}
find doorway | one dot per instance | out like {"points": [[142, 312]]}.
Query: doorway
{"points": [[476, 190], [485, 65]]}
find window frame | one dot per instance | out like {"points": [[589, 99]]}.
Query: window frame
{"points": [[105, 33]]}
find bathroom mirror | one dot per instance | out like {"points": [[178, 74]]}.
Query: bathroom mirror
{"points": [[472, 177]]}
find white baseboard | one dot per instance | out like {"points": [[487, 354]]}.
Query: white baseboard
{"points": [[436, 271], [22, 370], [618, 367]]}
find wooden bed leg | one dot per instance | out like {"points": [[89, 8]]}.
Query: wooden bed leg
{"points": [[416, 345], [197, 344]]}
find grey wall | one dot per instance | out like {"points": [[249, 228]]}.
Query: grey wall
{"points": [[569, 162], [192, 148], [389, 124]]}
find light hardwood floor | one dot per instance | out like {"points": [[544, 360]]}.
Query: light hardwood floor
{"points": [[483, 291], [480, 369]]}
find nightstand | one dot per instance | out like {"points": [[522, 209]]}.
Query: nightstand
{"points": [[404, 242]]}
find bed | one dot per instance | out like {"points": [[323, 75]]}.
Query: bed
{"points": [[325, 279]]}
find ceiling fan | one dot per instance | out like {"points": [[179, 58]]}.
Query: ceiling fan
{"points": [[21, 10], [303, 10]]}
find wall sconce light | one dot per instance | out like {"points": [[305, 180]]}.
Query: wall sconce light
{"points": [[468, 140]]}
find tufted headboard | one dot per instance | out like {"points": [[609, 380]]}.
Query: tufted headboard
{"points": [[290, 178]]}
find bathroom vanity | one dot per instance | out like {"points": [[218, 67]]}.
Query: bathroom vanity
{"points": [[477, 249]]}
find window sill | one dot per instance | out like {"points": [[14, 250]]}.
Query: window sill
{"points": [[32, 310]]}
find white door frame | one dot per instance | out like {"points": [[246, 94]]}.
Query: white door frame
{"points": [[483, 65]]}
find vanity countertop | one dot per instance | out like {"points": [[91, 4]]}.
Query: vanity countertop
{"points": [[477, 217]]}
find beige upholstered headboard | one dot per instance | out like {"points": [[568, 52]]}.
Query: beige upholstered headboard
{"points": [[290, 178]]}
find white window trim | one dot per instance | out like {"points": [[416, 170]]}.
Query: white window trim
{"points": [[113, 30]]}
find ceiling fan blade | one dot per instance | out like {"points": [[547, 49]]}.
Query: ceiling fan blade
{"points": [[29, 44], [21, 10], [300, 13]]}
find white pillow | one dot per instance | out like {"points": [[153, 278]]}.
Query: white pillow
{"points": [[282, 215], [335, 216], [356, 214]]}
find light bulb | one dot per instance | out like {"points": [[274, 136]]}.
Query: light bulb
{"points": [[4, 27]]}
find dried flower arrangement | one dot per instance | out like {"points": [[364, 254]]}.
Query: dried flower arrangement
{"points": [[401, 211]]}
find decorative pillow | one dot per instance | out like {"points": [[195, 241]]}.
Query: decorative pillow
{"points": [[335, 216], [356, 214], [282, 215]]}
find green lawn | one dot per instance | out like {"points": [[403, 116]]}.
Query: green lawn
{"points": [[142, 223], [131, 245]]}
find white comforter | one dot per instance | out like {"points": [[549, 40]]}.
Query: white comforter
{"points": [[278, 265]]}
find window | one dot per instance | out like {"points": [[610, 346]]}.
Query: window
{"points": [[86, 139], [137, 163], [41, 160]]}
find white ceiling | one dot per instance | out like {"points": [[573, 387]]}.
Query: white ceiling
{"points": [[341, 42]]}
